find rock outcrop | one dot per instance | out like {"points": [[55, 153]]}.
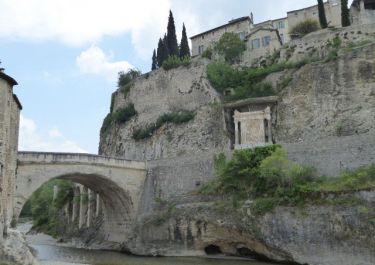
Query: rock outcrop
{"points": [[325, 117]]}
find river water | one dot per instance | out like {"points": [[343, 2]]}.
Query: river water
{"points": [[51, 253]]}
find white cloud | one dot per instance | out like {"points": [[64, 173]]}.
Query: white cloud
{"points": [[77, 22], [32, 140], [95, 61]]}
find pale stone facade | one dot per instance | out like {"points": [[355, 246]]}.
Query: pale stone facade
{"points": [[261, 42], [9, 126], [202, 41], [363, 12], [252, 128], [245, 26]]}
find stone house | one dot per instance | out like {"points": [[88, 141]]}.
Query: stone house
{"points": [[10, 108], [363, 12], [203, 40], [261, 42], [278, 29]]}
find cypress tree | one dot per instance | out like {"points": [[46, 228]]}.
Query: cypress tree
{"points": [[171, 36], [166, 52], [184, 46], [160, 56], [322, 15], [154, 61], [345, 17]]}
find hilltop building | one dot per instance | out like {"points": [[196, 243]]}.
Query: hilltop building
{"points": [[264, 38], [10, 108]]}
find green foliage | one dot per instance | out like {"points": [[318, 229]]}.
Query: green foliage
{"points": [[207, 53], [171, 36], [303, 28], [120, 116], [230, 46], [154, 61], [322, 15], [126, 89], [345, 14], [184, 46], [175, 61], [162, 53], [266, 176], [335, 45], [246, 82], [125, 78], [44, 210], [124, 114], [174, 117]]}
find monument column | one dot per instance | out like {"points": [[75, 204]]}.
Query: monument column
{"points": [[83, 207]]}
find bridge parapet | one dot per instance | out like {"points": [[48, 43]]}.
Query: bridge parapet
{"points": [[77, 158]]}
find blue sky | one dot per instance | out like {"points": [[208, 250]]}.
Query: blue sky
{"points": [[65, 55]]}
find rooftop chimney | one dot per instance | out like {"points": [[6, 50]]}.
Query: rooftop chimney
{"points": [[2, 70]]}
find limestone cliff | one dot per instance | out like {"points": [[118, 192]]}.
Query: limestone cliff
{"points": [[324, 117]]}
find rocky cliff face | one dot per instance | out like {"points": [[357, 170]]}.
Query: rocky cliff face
{"points": [[325, 117]]}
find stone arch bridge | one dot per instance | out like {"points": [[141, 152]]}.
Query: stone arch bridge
{"points": [[117, 182]]}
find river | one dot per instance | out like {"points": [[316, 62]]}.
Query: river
{"points": [[51, 253]]}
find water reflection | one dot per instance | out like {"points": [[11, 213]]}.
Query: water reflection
{"points": [[95, 257]]}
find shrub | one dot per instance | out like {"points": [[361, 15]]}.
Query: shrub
{"points": [[120, 116], [223, 76], [230, 46], [175, 117], [303, 28], [124, 114], [125, 78], [207, 53], [175, 61]]}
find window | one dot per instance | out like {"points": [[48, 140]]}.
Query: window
{"points": [[202, 37], [200, 49], [255, 44], [266, 41], [242, 35], [280, 25]]}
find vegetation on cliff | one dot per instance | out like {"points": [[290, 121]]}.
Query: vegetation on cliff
{"points": [[230, 47], [245, 82], [120, 116], [173, 117], [44, 210], [266, 176], [303, 28]]}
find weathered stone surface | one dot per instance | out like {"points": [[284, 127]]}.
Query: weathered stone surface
{"points": [[325, 117]]}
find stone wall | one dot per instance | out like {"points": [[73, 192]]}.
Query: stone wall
{"points": [[9, 124]]}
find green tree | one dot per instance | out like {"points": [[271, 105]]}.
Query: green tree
{"points": [[345, 16], [160, 53], [166, 52], [154, 61], [230, 46], [322, 15], [303, 28], [184, 46], [171, 36]]}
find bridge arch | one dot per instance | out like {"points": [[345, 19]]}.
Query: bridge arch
{"points": [[118, 182]]}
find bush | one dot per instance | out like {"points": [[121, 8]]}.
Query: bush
{"points": [[303, 28], [125, 114], [120, 116], [230, 46], [266, 176], [175, 117], [128, 77], [175, 61], [207, 53]]}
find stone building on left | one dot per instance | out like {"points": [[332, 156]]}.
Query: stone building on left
{"points": [[10, 108]]}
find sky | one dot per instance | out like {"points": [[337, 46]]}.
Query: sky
{"points": [[66, 54]]}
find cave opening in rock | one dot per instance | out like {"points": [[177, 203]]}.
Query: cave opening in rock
{"points": [[212, 250]]}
